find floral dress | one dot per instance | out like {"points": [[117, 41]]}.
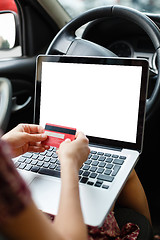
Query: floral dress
{"points": [[15, 196]]}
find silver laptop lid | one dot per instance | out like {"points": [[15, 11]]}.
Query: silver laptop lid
{"points": [[103, 97]]}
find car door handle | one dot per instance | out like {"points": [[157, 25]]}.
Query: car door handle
{"points": [[17, 107]]}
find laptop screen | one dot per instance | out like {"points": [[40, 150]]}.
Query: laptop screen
{"points": [[99, 96]]}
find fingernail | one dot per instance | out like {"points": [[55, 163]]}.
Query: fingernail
{"points": [[43, 135], [67, 140], [47, 147]]}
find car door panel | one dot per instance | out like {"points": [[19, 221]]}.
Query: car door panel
{"points": [[21, 73]]}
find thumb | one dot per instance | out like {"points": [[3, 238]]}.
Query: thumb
{"points": [[36, 137]]}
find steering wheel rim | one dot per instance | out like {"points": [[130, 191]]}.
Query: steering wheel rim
{"points": [[5, 102], [66, 42]]}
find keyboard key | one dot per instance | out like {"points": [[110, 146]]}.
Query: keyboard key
{"points": [[89, 156], [17, 164], [115, 170], [47, 159], [86, 167], [80, 172], [98, 184], [105, 178], [35, 169], [93, 169], [28, 160], [49, 154], [122, 157], [108, 172], [115, 156], [40, 164], [22, 159], [22, 166], [95, 157], [88, 162], [28, 155], [94, 163], [93, 152], [58, 162], [34, 162], [55, 155], [109, 160], [100, 153], [90, 183], [40, 158], [109, 165], [46, 164], [37, 153], [58, 168], [52, 166], [100, 181], [107, 154], [43, 153], [93, 175], [49, 172], [118, 161], [28, 167], [105, 186], [100, 170], [102, 164], [101, 158], [86, 174], [35, 156], [84, 180], [53, 160]]}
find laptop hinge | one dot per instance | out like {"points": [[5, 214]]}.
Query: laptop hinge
{"points": [[106, 147]]}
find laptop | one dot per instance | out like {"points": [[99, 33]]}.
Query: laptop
{"points": [[104, 98]]}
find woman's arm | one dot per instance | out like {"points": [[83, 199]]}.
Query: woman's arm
{"points": [[30, 223], [69, 218]]}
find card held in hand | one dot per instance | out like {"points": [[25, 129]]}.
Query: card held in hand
{"points": [[57, 134]]}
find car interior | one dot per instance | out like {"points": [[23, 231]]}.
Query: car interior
{"points": [[45, 27]]}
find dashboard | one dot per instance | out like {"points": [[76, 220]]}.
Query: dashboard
{"points": [[124, 38]]}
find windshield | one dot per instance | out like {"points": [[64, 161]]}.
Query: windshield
{"points": [[75, 7]]}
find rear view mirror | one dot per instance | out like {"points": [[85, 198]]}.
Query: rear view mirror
{"points": [[7, 30]]}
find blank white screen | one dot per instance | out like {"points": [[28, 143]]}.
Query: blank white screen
{"points": [[100, 100]]}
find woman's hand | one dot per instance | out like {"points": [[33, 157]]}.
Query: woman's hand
{"points": [[26, 138], [75, 152]]}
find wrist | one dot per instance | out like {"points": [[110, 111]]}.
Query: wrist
{"points": [[68, 163], [69, 168]]}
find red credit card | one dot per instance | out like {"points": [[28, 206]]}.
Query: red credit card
{"points": [[57, 134]]}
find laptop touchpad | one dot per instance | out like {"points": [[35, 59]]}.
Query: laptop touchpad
{"points": [[46, 194]]}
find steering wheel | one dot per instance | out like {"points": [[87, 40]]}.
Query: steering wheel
{"points": [[5, 102], [66, 42]]}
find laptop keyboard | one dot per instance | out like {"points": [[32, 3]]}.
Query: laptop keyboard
{"points": [[99, 170]]}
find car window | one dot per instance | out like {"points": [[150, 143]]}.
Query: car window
{"points": [[9, 39], [78, 6]]}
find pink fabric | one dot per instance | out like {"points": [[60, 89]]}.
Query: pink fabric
{"points": [[110, 230], [14, 194]]}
